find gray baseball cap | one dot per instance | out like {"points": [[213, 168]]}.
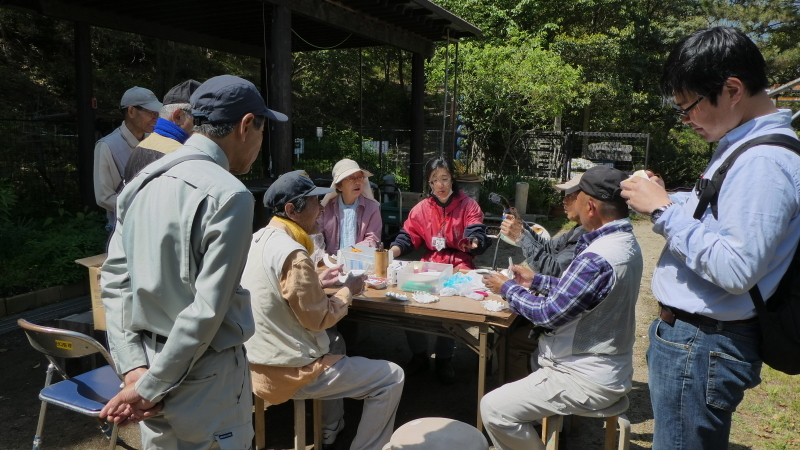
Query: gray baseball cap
{"points": [[139, 96], [181, 93], [226, 99]]}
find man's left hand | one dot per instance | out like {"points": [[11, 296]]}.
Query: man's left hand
{"points": [[644, 196], [330, 276], [494, 281]]}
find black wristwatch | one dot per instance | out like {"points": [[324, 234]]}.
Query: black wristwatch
{"points": [[658, 211]]}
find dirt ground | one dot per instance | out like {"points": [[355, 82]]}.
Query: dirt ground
{"points": [[22, 372]]}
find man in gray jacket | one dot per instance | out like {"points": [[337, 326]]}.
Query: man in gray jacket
{"points": [[547, 257], [177, 317]]}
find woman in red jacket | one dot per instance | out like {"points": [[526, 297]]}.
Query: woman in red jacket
{"points": [[449, 224]]}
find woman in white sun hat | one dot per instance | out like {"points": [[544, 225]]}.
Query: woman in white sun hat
{"points": [[351, 215]]}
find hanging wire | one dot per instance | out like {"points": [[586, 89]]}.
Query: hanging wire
{"points": [[444, 104], [317, 46]]}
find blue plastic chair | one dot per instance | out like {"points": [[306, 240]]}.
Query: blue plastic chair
{"points": [[86, 393]]}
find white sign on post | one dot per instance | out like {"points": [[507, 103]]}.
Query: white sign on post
{"points": [[299, 147], [319, 133]]}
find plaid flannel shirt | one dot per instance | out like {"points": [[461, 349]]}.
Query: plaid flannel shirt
{"points": [[585, 283]]}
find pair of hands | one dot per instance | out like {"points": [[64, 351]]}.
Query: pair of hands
{"points": [[645, 196], [128, 406], [522, 276], [467, 244], [330, 276]]}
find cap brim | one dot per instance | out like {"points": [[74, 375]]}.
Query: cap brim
{"points": [[319, 191], [571, 189], [275, 115], [152, 106], [349, 172]]}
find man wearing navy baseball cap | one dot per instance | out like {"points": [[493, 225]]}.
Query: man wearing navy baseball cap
{"points": [[294, 354], [177, 316]]}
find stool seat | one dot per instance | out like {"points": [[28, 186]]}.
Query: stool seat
{"points": [[614, 410], [614, 417], [435, 433]]}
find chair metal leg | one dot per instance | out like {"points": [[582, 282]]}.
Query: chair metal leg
{"points": [[114, 433], [299, 425], [37, 439]]}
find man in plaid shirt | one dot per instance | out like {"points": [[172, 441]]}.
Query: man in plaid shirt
{"points": [[588, 314]]}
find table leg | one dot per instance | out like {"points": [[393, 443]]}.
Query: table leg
{"points": [[483, 330]]}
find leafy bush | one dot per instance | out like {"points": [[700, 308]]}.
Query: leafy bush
{"points": [[682, 158], [39, 255], [7, 201], [541, 193]]}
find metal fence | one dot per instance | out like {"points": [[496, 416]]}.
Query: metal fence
{"points": [[39, 158]]}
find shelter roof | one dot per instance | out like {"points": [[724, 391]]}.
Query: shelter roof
{"points": [[243, 26]]}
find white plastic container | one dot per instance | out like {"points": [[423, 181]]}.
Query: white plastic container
{"points": [[424, 276]]}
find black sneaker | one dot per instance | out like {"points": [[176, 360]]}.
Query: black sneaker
{"points": [[444, 371], [419, 363]]}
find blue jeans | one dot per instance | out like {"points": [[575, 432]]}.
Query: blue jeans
{"points": [[698, 376]]}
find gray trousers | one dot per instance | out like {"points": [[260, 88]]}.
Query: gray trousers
{"points": [[211, 408], [509, 411], [379, 383]]}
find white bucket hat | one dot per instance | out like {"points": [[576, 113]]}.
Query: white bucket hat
{"points": [[344, 169]]}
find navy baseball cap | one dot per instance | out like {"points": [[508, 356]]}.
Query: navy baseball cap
{"points": [[226, 99], [602, 183], [291, 186]]}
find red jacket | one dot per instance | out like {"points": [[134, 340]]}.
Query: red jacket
{"points": [[460, 220]]}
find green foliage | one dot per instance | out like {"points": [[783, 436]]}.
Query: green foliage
{"points": [[39, 255], [541, 193], [507, 90], [7, 201], [681, 157]]}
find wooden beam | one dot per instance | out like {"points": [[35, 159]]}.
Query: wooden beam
{"points": [[361, 24], [91, 16], [280, 90]]}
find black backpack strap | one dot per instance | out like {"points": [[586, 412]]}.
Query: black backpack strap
{"points": [[708, 189], [161, 171]]}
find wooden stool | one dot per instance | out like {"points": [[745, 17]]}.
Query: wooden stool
{"points": [[299, 423], [614, 415]]}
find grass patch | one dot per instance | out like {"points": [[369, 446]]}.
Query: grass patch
{"points": [[768, 416]]}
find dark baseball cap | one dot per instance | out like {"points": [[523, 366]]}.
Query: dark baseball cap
{"points": [[226, 99], [181, 93], [291, 186], [602, 183]]}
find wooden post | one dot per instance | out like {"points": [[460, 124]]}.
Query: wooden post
{"points": [[280, 90], [417, 123], [83, 102]]}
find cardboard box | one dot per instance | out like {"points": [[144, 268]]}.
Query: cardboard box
{"points": [[98, 312]]}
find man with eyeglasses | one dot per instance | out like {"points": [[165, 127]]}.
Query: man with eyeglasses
{"points": [[704, 347], [111, 153]]}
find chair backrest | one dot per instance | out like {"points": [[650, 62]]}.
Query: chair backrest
{"points": [[60, 343], [409, 200]]}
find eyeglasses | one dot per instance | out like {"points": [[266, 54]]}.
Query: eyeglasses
{"points": [[355, 178], [440, 181], [685, 112], [147, 111]]}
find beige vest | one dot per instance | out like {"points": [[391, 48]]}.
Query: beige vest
{"points": [[280, 339]]}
